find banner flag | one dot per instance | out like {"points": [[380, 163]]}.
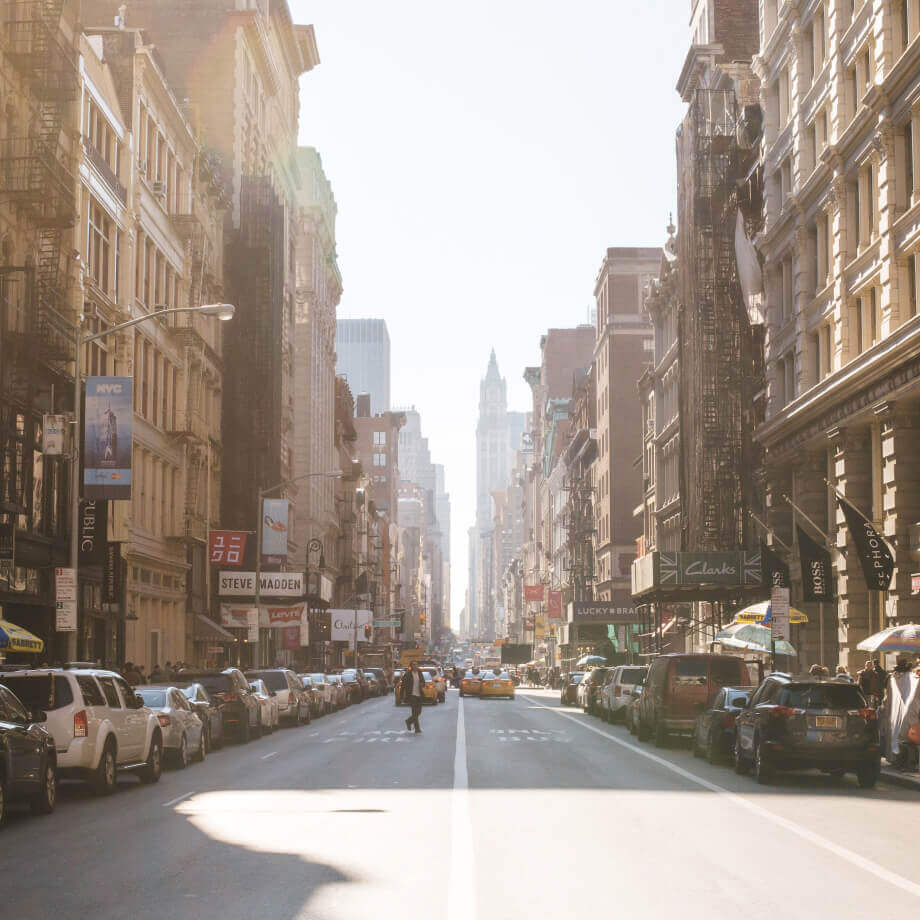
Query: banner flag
{"points": [[275, 530], [874, 555], [107, 438], [775, 571], [817, 575]]}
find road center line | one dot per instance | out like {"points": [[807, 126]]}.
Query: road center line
{"points": [[272, 754], [461, 902], [867, 865], [178, 798]]}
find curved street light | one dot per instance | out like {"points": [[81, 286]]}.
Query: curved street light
{"points": [[223, 311]]}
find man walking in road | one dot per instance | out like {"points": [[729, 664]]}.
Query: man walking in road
{"points": [[410, 686]]}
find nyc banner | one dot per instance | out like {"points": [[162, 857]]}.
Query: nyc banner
{"points": [[107, 439]]}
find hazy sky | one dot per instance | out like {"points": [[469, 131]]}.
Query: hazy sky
{"points": [[483, 155]]}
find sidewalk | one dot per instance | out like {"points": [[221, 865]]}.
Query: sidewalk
{"points": [[900, 778]]}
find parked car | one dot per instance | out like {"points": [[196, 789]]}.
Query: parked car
{"points": [[678, 685], [339, 693], [590, 687], [209, 713], [373, 684], [28, 761], [617, 691], [801, 723], [230, 692], [268, 706], [99, 724], [470, 684], [383, 686], [314, 699], [714, 737], [353, 686], [568, 696], [293, 702], [323, 690], [183, 731], [631, 718]]}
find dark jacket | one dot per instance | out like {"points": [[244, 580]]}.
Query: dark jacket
{"points": [[405, 684]]}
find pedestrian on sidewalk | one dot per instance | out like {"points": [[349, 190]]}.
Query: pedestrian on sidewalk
{"points": [[411, 685]]}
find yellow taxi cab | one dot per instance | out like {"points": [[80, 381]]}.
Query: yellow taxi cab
{"points": [[440, 681], [429, 690], [471, 683], [496, 684]]}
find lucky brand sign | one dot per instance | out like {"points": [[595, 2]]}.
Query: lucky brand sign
{"points": [[107, 438]]}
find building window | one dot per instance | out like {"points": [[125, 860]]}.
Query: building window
{"points": [[380, 459], [912, 283], [98, 245], [380, 437]]}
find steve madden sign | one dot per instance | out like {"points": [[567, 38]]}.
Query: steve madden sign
{"points": [[273, 584]]}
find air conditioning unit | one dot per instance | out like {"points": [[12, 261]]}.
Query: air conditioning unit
{"points": [[159, 189]]}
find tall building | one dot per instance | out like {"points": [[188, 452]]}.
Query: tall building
{"points": [[362, 349], [841, 167]]}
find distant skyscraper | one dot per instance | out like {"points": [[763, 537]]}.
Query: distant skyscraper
{"points": [[362, 349], [516, 428]]}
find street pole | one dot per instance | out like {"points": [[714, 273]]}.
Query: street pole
{"points": [[258, 591], [73, 638]]}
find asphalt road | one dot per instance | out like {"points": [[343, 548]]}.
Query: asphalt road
{"points": [[499, 809]]}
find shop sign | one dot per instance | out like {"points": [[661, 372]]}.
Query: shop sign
{"points": [[227, 547], [533, 592], [112, 574], [94, 516], [618, 611], [273, 584], [554, 605], [343, 624]]}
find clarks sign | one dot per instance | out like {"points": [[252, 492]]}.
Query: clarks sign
{"points": [[660, 571]]}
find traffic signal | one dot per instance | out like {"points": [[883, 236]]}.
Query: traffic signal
{"points": [[421, 618], [367, 631]]}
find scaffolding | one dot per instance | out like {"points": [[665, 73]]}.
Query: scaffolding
{"points": [[716, 336]]}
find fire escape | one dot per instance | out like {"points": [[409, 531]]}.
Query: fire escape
{"points": [[34, 172]]}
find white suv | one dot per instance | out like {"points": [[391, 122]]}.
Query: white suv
{"points": [[100, 725], [293, 701]]}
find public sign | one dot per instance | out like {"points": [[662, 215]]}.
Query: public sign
{"points": [[779, 612], [387, 624], [272, 584], [107, 438], [817, 581], [94, 516], [533, 592], [343, 625], [874, 555], [227, 547], [54, 428], [275, 530], [65, 600]]}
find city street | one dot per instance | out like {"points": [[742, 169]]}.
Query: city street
{"points": [[500, 808]]}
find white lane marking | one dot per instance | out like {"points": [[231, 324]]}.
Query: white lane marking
{"points": [[178, 798], [867, 865], [461, 903], [266, 756]]}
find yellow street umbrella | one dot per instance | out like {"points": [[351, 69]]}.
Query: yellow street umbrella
{"points": [[760, 613], [16, 639]]}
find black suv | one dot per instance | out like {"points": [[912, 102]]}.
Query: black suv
{"points": [[231, 694], [594, 683], [794, 723]]}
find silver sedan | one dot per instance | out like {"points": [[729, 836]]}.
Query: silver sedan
{"points": [[183, 732]]}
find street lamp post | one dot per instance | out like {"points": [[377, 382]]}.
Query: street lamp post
{"points": [[223, 311], [262, 493]]}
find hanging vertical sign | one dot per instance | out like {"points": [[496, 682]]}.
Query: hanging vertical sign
{"points": [[94, 516], [874, 556], [107, 438], [304, 627], [274, 530], [817, 582], [775, 572], [112, 574]]}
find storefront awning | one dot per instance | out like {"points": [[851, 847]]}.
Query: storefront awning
{"points": [[206, 628], [14, 638]]}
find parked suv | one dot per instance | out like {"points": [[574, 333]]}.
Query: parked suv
{"points": [[800, 723], [590, 688], [231, 693], [618, 690], [679, 687], [99, 724], [292, 699]]}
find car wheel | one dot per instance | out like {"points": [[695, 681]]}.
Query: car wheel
{"points": [[762, 772], [661, 733], [642, 730], [45, 799], [202, 747], [154, 765], [245, 730], [741, 768], [867, 775], [105, 777], [183, 759]]}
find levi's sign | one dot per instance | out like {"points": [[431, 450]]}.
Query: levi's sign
{"points": [[273, 584]]}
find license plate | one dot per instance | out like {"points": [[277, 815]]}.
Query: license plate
{"points": [[827, 722]]}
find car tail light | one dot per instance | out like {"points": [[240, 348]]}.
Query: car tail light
{"points": [[79, 724], [163, 720], [870, 715], [617, 691], [728, 720], [782, 712]]}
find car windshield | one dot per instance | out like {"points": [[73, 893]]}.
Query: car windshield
{"points": [[821, 696], [155, 698], [317, 678], [471, 676], [276, 680], [40, 691], [575, 678], [215, 683], [631, 675]]}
